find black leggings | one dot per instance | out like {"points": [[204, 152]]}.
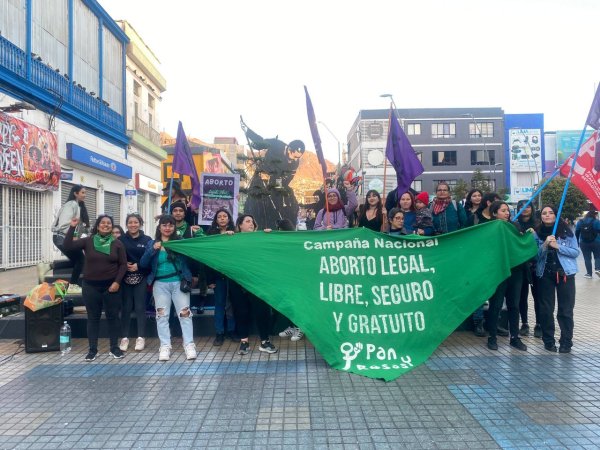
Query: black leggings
{"points": [[96, 298], [247, 306], [529, 279], [134, 297], [509, 289], [553, 290]]}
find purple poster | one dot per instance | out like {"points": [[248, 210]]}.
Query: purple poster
{"points": [[218, 191]]}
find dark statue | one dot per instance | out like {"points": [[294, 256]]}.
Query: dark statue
{"points": [[270, 197]]}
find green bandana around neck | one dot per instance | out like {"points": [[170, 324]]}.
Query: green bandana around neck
{"points": [[181, 229], [102, 244]]}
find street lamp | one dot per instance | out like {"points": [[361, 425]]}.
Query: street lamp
{"points": [[338, 143]]}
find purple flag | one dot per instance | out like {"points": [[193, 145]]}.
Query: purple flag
{"points": [[183, 164], [312, 123], [593, 118], [402, 156]]}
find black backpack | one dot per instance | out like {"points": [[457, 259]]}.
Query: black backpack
{"points": [[587, 233]]}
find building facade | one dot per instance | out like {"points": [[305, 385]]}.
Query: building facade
{"points": [[144, 85], [63, 80], [452, 144]]}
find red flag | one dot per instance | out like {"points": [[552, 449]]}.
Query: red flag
{"points": [[585, 176]]}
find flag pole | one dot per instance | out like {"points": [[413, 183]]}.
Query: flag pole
{"points": [[383, 196], [564, 194], [536, 193], [170, 190]]}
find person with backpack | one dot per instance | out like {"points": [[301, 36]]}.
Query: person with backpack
{"points": [[448, 215], [587, 233]]}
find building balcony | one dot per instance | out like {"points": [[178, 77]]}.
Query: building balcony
{"points": [[43, 85], [146, 138]]}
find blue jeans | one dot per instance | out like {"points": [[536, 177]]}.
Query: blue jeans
{"points": [[166, 293], [221, 307]]}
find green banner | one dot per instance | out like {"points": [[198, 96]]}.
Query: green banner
{"points": [[371, 304]]}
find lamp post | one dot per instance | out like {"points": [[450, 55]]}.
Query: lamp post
{"points": [[496, 165], [338, 143], [485, 150]]}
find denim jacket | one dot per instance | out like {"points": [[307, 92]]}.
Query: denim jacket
{"points": [[150, 261], [568, 251]]}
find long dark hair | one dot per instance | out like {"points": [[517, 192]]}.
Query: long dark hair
{"points": [[100, 217], [362, 211], [214, 227], [241, 218], [468, 202], [83, 213], [166, 218], [562, 230]]}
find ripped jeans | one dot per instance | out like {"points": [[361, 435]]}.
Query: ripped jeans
{"points": [[164, 294]]}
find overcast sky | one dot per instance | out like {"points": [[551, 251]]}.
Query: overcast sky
{"points": [[226, 58]]}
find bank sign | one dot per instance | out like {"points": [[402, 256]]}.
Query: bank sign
{"points": [[97, 161]]}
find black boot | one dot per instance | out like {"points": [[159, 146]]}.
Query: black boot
{"points": [[492, 344], [479, 331]]}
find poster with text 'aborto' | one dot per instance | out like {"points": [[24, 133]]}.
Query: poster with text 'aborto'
{"points": [[218, 191]]}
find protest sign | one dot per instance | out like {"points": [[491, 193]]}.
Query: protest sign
{"points": [[218, 191], [372, 304]]}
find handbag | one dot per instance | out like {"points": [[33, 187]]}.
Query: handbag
{"points": [[185, 286], [133, 278]]}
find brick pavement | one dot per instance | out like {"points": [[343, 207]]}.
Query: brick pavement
{"points": [[464, 397]]}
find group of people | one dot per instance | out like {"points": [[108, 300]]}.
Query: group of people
{"points": [[118, 266]]}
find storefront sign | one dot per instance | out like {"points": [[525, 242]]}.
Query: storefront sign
{"points": [[66, 176], [130, 192], [218, 191], [98, 161], [144, 183], [28, 155]]}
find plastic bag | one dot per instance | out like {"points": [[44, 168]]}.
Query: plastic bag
{"points": [[46, 294]]}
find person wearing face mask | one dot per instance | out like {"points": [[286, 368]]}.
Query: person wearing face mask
{"points": [[104, 268], [509, 289], [334, 216], [556, 268]]}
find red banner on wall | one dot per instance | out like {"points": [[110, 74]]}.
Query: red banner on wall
{"points": [[28, 155]]}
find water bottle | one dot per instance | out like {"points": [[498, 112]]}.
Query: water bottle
{"points": [[65, 338]]}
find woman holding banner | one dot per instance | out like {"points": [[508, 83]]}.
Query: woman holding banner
{"points": [[221, 224], [556, 268], [509, 289], [247, 306]]}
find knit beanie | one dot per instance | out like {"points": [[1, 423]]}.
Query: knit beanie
{"points": [[424, 197], [178, 204]]}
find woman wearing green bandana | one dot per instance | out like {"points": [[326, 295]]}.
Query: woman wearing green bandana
{"points": [[104, 268]]}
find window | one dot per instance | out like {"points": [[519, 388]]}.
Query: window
{"points": [[487, 184], [451, 183], [112, 71], [413, 129], [443, 130], [480, 157], [444, 158], [150, 101], [481, 129], [417, 185], [137, 88]]}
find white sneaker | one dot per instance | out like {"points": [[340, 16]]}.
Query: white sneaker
{"points": [[298, 334], [74, 289], [124, 344], [190, 351], [287, 333], [140, 344], [165, 353]]}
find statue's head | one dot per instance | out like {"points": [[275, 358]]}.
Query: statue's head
{"points": [[295, 150]]}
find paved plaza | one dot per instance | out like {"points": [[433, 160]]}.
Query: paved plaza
{"points": [[465, 396]]}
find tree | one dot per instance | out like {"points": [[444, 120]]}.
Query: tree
{"points": [[480, 182], [460, 189], [575, 203]]}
